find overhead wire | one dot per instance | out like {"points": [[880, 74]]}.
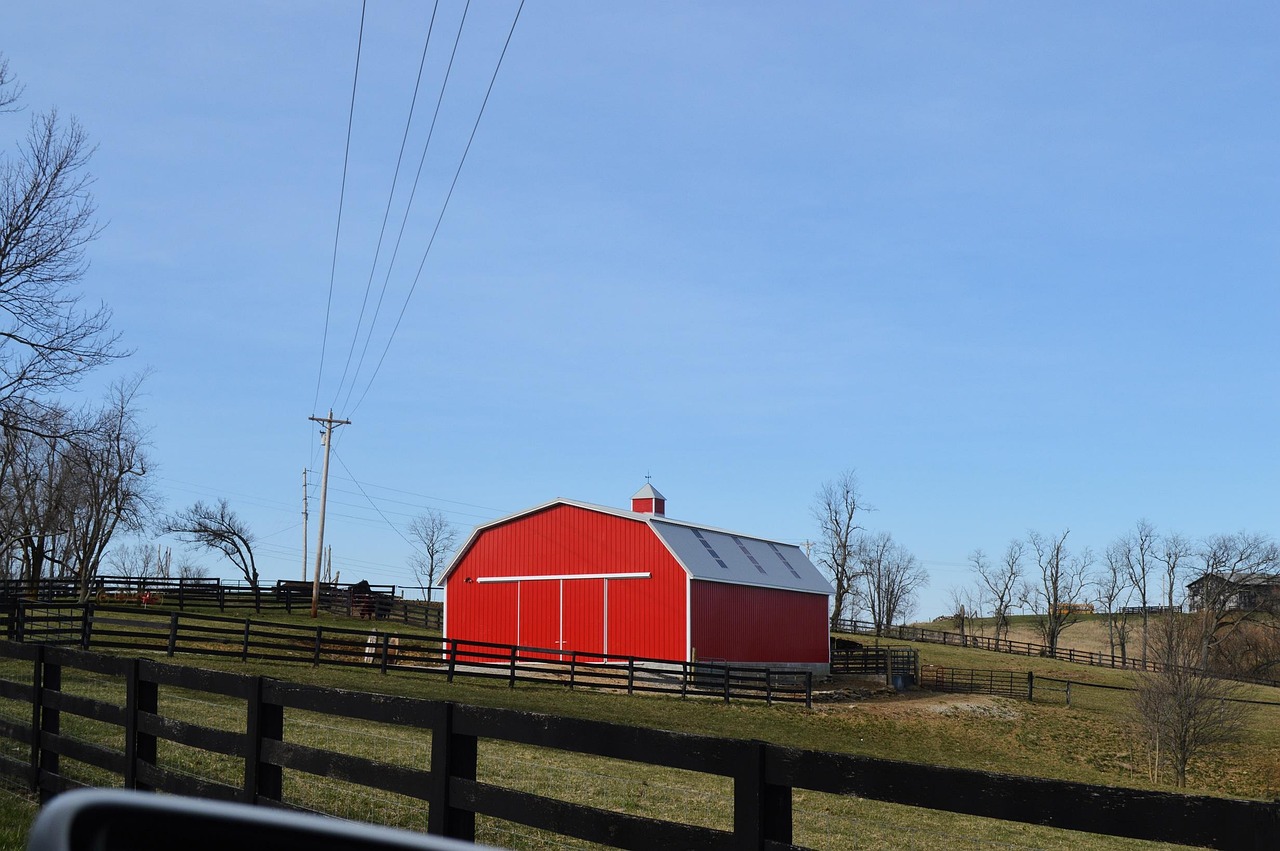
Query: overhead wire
{"points": [[386, 215], [443, 208], [404, 220], [393, 526], [342, 194]]}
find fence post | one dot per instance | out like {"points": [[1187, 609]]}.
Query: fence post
{"points": [[761, 811], [288, 601], [48, 720], [37, 699], [684, 681], [181, 584], [512, 682], [573, 668], [1068, 694], [386, 649], [453, 755], [222, 598], [1031, 686], [86, 625], [262, 780], [22, 623], [808, 704], [244, 650], [631, 675], [318, 642], [173, 633], [726, 682], [453, 657], [139, 747], [768, 687]]}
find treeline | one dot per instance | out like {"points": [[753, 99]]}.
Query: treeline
{"points": [[1219, 594], [70, 480]]}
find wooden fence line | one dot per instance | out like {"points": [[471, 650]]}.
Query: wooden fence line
{"points": [[1024, 686], [286, 596], [998, 645], [1019, 648], [763, 776], [92, 626]]}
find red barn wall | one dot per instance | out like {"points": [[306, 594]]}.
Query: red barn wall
{"points": [[645, 617], [741, 623]]}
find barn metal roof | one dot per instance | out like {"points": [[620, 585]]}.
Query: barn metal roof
{"points": [[707, 553]]}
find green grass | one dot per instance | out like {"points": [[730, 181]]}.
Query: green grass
{"points": [[1088, 742]]}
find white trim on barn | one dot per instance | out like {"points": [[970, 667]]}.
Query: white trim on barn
{"points": [[562, 576]]}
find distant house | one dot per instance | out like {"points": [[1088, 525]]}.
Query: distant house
{"points": [[569, 576], [1244, 592]]}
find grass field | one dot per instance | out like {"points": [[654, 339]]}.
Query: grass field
{"points": [[1088, 742]]}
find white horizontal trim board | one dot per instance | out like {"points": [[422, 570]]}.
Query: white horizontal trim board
{"points": [[550, 576]]}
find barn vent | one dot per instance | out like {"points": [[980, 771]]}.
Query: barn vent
{"points": [[647, 500]]}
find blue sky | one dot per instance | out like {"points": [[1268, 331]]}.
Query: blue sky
{"points": [[1014, 263]]}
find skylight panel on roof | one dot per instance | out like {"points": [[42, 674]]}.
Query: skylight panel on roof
{"points": [[715, 555], [779, 554], [746, 552]]}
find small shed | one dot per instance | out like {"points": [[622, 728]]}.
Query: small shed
{"points": [[608, 582]]}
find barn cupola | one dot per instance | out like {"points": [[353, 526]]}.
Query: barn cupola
{"points": [[647, 500]]}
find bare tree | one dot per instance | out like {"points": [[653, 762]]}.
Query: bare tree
{"points": [[1136, 552], [437, 537], [891, 575], [1115, 589], [47, 340], [1059, 583], [36, 489], [1183, 711], [1001, 582], [10, 91], [191, 570], [964, 608], [836, 508], [1173, 553], [134, 561], [218, 528], [111, 464]]}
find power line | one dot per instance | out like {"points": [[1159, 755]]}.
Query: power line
{"points": [[404, 220], [375, 506], [443, 207], [342, 194], [395, 178]]}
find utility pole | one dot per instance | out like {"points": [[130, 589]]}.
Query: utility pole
{"points": [[326, 437], [304, 524]]}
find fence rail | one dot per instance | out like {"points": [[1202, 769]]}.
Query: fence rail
{"points": [[998, 645], [967, 681], [887, 661], [763, 776], [378, 602], [102, 627], [1019, 648]]}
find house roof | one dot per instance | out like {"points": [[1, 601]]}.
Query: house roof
{"points": [[707, 553]]}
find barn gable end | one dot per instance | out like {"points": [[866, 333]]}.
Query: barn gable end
{"points": [[568, 576]]}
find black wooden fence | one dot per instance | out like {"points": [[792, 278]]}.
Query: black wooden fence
{"points": [[900, 664], [376, 601], [101, 627], [968, 681], [764, 777], [998, 645], [1020, 648]]}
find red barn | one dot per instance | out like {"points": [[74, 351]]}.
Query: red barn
{"points": [[568, 575]]}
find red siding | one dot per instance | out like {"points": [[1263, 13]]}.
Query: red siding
{"points": [[646, 617], [739, 623]]}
